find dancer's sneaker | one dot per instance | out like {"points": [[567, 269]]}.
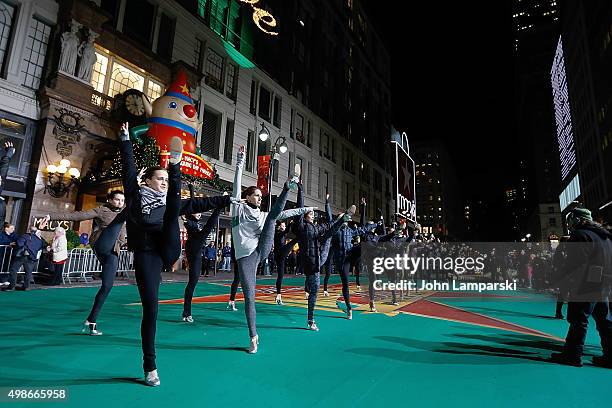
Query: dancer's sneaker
{"points": [[359, 287], [349, 314], [176, 150], [325, 293], [313, 326], [372, 308], [254, 344], [231, 305], [602, 361], [306, 295], [188, 319], [395, 303], [152, 378], [279, 300], [566, 359], [91, 327]]}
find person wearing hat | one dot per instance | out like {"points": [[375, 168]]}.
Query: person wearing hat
{"points": [[587, 270]]}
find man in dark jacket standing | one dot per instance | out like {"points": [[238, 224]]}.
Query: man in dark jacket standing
{"points": [[210, 253], [27, 252], [588, 269]]}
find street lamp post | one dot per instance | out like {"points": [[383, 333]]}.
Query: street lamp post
{"points": [[278, 147]]}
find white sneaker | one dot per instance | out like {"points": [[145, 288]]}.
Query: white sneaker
{"points": [[231, 305], [325, 293], [254, 344], [87, 325], [313, 326], [279, 300], [152, 378], [306, 295], [188, 319], [349, 314]]}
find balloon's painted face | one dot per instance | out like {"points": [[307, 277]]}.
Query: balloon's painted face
{"points": [[169, 107]]}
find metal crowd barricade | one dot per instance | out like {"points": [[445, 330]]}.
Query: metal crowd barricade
{"points": [[6, 257], [81, 265], [126, 263]]}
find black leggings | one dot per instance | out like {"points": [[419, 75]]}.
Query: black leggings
{"points": [[281, 257], [343, 266], [109, 270], [194, 257], [329, 269], [148, 265]]}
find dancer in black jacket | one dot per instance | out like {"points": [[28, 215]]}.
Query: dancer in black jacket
{"points": [[310, 236], [151, 212], [197, 232]]}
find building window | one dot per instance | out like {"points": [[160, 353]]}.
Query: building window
{"points": [[250, 151], [35, 52], [154, 90], [229, 142], [122, 78], [264, 103], [98, 75], [299, 128], [7, 13], [277, 111], [165, 40], [198, 55], [138, 21], [253, 102], [16, 133], [214, 71], [552, 222], [211, 133], [111, 77], [323, 183], [232, 81]]}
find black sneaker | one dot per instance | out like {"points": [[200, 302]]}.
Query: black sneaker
{"points": [[602, 361], [566, 359]]}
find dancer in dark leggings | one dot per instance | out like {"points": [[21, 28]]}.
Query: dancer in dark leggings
{"points": [[310, 236], [283, 253], [151, 213], [102, 217], [197, 232], [253, 236], [342, 245]]}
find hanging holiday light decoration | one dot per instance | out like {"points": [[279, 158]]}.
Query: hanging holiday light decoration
{"points": [[262, 18]]}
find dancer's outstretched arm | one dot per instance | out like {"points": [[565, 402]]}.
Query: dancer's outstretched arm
{"points": [[203, 204], [236, 192], [128, 169], [327, 230], [328, 211]]}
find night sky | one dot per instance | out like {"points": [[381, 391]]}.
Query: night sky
{"points": [[452, 78]]}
